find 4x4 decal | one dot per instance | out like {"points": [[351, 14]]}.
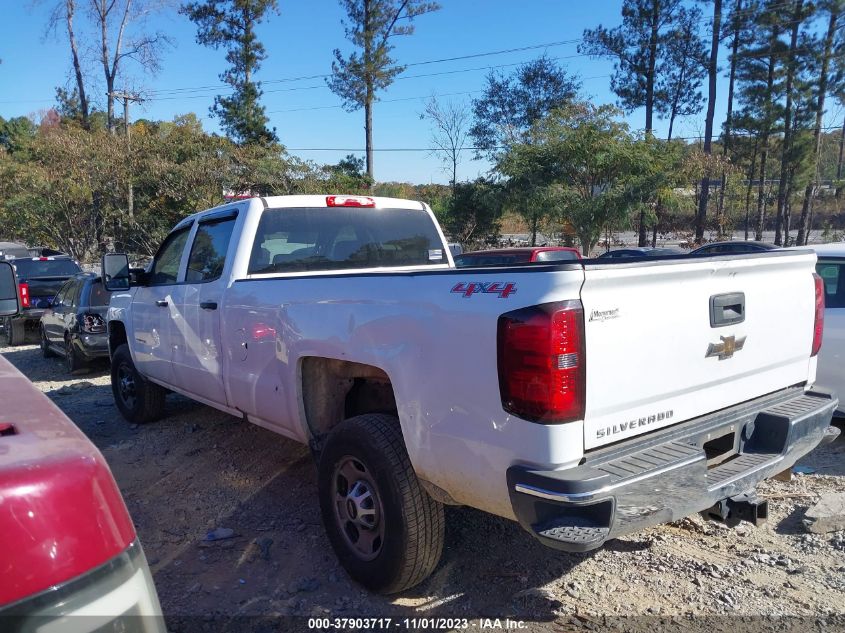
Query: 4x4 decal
{"points": [[502, 288]]}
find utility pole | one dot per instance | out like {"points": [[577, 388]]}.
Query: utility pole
{"points": [[135, 98]]}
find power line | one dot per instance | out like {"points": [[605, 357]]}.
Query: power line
{"points": [[469, 149], [409, 65], [420, 97]]}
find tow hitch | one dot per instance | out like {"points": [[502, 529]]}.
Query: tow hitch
{"points": [[745, 507]]}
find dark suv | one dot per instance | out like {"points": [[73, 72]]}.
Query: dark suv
{"points": [[74, 325], [39, 279]]}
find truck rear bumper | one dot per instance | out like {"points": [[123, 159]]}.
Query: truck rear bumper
{"points": [[669, 474]]}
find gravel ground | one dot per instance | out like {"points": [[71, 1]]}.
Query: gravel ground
{"points": [[198, 469]]}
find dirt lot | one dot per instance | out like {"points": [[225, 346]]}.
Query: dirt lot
{"points": [[199, 469]]}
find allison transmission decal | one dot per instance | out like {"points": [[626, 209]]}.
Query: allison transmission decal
{"points": [[468, 288]]}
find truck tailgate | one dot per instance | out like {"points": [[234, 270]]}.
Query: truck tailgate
{"points": [[670, 340]]}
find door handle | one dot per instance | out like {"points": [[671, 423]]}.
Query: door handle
{"points": [[727, 309], [161, 303], [208, 305]]}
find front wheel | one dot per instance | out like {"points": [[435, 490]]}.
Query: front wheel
{"points": [[46, 351], [137, 399], [385, 529]]}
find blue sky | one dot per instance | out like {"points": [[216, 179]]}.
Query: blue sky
{"points": [[299, 43]]}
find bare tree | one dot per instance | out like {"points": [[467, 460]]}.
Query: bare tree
{"points": [[449, 134], [114, 20], [63, 14]]}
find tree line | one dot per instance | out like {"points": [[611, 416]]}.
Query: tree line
{"points": [[563, 165]]}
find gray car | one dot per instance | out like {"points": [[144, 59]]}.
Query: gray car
{"points": [[74, 323]]}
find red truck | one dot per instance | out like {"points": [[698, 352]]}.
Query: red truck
{"points": [[70, 558]]}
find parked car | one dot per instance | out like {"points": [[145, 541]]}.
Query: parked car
{"points": [[831, 362], [639, 251], [339, 322], [11, 250], [74, 324], [516, 256], [69, 546], [39, 279], [731, 247]]}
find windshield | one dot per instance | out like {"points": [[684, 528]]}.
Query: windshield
{"points": [[310, 239], [30, 268]]}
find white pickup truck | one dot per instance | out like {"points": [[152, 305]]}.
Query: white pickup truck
{"points": [[586, 400]]}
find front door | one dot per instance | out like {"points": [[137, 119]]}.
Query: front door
{"points": [[198, 359], [154, 308]]}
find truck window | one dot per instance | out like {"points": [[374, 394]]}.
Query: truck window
{"points": [[32, 268], [98, 295], [311, 239], [834, 282], [165, 266], [556, 256], [208, 252]]}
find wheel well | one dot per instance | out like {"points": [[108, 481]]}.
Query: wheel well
{"points": [[117, 336], [334, 390]]}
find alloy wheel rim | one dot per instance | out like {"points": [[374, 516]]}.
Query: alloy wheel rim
{"points": [[126, 386], [357, 508]]}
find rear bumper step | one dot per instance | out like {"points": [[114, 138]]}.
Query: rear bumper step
{"points": [[664, 476]]}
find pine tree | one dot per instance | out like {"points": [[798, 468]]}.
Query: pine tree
{"points": [[357, 77], [231, 24], [637, 46], [758, 81], [683, 68], [712, 70], [511, 104], [797, 15], [834, 9]]}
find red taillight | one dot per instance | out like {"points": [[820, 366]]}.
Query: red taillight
{"points": [[24, 290], [818, 325], [541, 362], [93, 324], [350, 201]]}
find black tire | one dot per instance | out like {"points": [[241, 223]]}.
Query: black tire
{"points": [[74, 363], [46, 351], [147, 399], [14, 331], [413, 522]]}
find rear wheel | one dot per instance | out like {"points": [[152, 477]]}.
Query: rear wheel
{"points": [[73, 361], [385, 529], [14, 332], [45, 344], [137, 399]]}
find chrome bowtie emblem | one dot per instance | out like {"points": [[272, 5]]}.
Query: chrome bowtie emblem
{"points": [[726, 348]]}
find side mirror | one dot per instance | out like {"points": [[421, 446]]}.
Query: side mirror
{"points": [[9, 301], [116, 271]]}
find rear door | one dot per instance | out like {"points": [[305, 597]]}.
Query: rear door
{"points": [[670, 340], [198, 358], [154, 309], [53, 319]]}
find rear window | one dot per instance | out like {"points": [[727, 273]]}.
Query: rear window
{"points": [[556, 256], [833, 276], [501, 259], [29, 268], [99, 296], [313, 239]]}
